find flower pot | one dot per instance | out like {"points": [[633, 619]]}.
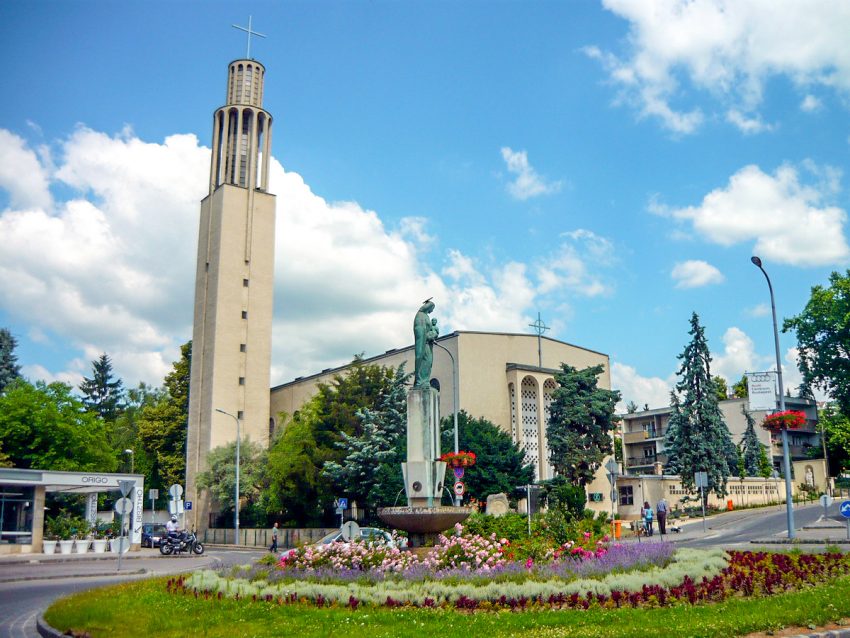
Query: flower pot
{"points": [[120, 544], [81, 545], [49, 547], [66, 547], [99, 545]]}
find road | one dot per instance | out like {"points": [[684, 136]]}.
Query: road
{"points": [[21, 601]]}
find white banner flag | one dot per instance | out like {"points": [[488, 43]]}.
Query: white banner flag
{"points": [[761, 390]]}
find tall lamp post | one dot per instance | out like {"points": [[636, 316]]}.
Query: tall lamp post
{"points": [[132, 460], [786, 456], [456, 395], [236, 502]]}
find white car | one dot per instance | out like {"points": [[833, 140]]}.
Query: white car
{"points": [[367, 534]]}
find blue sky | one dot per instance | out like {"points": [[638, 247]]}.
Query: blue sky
{"points": [[610, 165]]}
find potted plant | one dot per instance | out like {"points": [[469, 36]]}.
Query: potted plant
{"points": [[789, 419], [63, 530], [459, 459], [80, 530], [99, 542], [51, 535]]}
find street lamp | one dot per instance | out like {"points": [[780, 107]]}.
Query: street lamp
{"points": [[786, 456], [132, 460], [236, 502], [456, 399]]}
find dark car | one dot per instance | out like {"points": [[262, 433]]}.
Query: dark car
{"points": [[152, 534]]}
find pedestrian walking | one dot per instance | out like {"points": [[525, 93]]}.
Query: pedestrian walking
{"points": [[661, 509], [646, 512], [273, 548]]}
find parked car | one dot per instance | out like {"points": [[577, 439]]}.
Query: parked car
{"points": [[367, 534], [152, 534]]}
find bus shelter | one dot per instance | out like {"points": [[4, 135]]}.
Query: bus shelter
{"points": [[22, 501]]}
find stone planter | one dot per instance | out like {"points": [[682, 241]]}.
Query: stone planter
{"points": [[66, 547], [99, 545], [81, 545], [49, 547], [121, 544]]}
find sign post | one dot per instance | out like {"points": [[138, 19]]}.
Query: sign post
{"points": [[153, 495], [701, 481], [123, 506], [613, 469], [844, 510]]}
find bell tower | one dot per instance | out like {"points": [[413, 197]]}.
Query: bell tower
{"points": [[231, 338]]}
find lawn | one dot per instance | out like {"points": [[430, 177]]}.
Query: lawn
{"points": [[122, 610]]}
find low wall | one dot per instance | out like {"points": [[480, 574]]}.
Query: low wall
{"points": [[262, 537]]}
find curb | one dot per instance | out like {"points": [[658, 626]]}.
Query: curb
{"points": [[22, 579], [45, 630]]}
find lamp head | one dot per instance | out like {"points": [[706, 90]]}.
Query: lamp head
{"points": [[128, 452], [756, 261]]}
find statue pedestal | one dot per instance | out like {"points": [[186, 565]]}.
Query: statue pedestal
{"points": [[423, 473]]}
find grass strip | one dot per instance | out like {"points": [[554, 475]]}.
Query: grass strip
{"points": [[119, 611]]}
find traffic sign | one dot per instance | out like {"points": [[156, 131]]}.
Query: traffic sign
{"points": [[459, 488], [612, 466], [175, 491], [153, 494], [701, 479], [350, 531], [844, 509], [126, 486], [342, 503], [826, 500], [123, 506], [188, 505]]}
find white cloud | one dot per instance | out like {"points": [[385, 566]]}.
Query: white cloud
{"points": [[695, 273], [726, 50], [790, 221], [759, 310], [21, 173], [527, 183], [653, 391], [739, 356], [748, 125], [112, 268], [810, 104]]}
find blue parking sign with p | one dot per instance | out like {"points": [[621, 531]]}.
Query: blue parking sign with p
{"points": [[187, 505]]}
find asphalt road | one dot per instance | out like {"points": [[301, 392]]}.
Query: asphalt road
{"points": [[31, 588]]}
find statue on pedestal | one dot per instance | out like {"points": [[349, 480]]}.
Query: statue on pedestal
{"points": [[424, 335]]}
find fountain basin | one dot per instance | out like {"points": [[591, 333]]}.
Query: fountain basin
{"points": [[423, 524]]}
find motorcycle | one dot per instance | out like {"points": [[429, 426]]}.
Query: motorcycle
{"points": [[183, 542]]}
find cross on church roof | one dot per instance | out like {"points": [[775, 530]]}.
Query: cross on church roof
{"points": [[539, 326], [250, 33]]}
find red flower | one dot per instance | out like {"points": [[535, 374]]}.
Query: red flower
{"points": [[789, 419]]}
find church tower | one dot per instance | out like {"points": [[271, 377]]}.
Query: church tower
{"points": [[231, 339]]}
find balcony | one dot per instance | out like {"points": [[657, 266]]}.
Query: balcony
{"points": [[634, 437], [638, 461]]}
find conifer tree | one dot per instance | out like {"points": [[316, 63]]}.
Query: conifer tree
{"points": [[581, 421], [103, 394], [9, 368], [751, 447], [697, 437], [383, 428]]}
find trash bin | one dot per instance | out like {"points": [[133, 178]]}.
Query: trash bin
{"points": [[616, 528], [730, 505]]}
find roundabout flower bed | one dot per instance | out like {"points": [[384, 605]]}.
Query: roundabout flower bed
{"points": [[472, 572]]}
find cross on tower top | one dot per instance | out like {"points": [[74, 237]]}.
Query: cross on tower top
{"points": [[539, 328], [250, 32]]}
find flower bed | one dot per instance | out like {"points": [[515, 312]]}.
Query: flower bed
{"points": [[693, 577]]}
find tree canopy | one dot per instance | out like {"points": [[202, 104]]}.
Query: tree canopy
{"points": [[499, 466], [823, 339], [103, 393], [220, 478], [44, 426], [697, 436], [581, 420], [9, 368], [836, 430]]}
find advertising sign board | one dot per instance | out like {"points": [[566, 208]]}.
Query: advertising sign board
{"points": [[761, 390]]}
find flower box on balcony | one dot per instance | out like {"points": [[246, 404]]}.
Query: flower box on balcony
{"points": [[790, 419]]}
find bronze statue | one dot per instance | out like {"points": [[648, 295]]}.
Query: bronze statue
{"points": [[424, 335]]}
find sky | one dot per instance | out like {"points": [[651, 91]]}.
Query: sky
{"points": [[610, 165]]}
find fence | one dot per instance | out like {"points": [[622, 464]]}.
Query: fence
{"points": [[262, 537]]}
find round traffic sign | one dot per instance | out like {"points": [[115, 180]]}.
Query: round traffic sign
{"points": [[123, 506], [826, 500], [350, 531], [844, 509], [459, 488], [175, 491]]}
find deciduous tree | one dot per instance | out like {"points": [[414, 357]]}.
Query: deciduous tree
{"points": [[823, 339]]}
